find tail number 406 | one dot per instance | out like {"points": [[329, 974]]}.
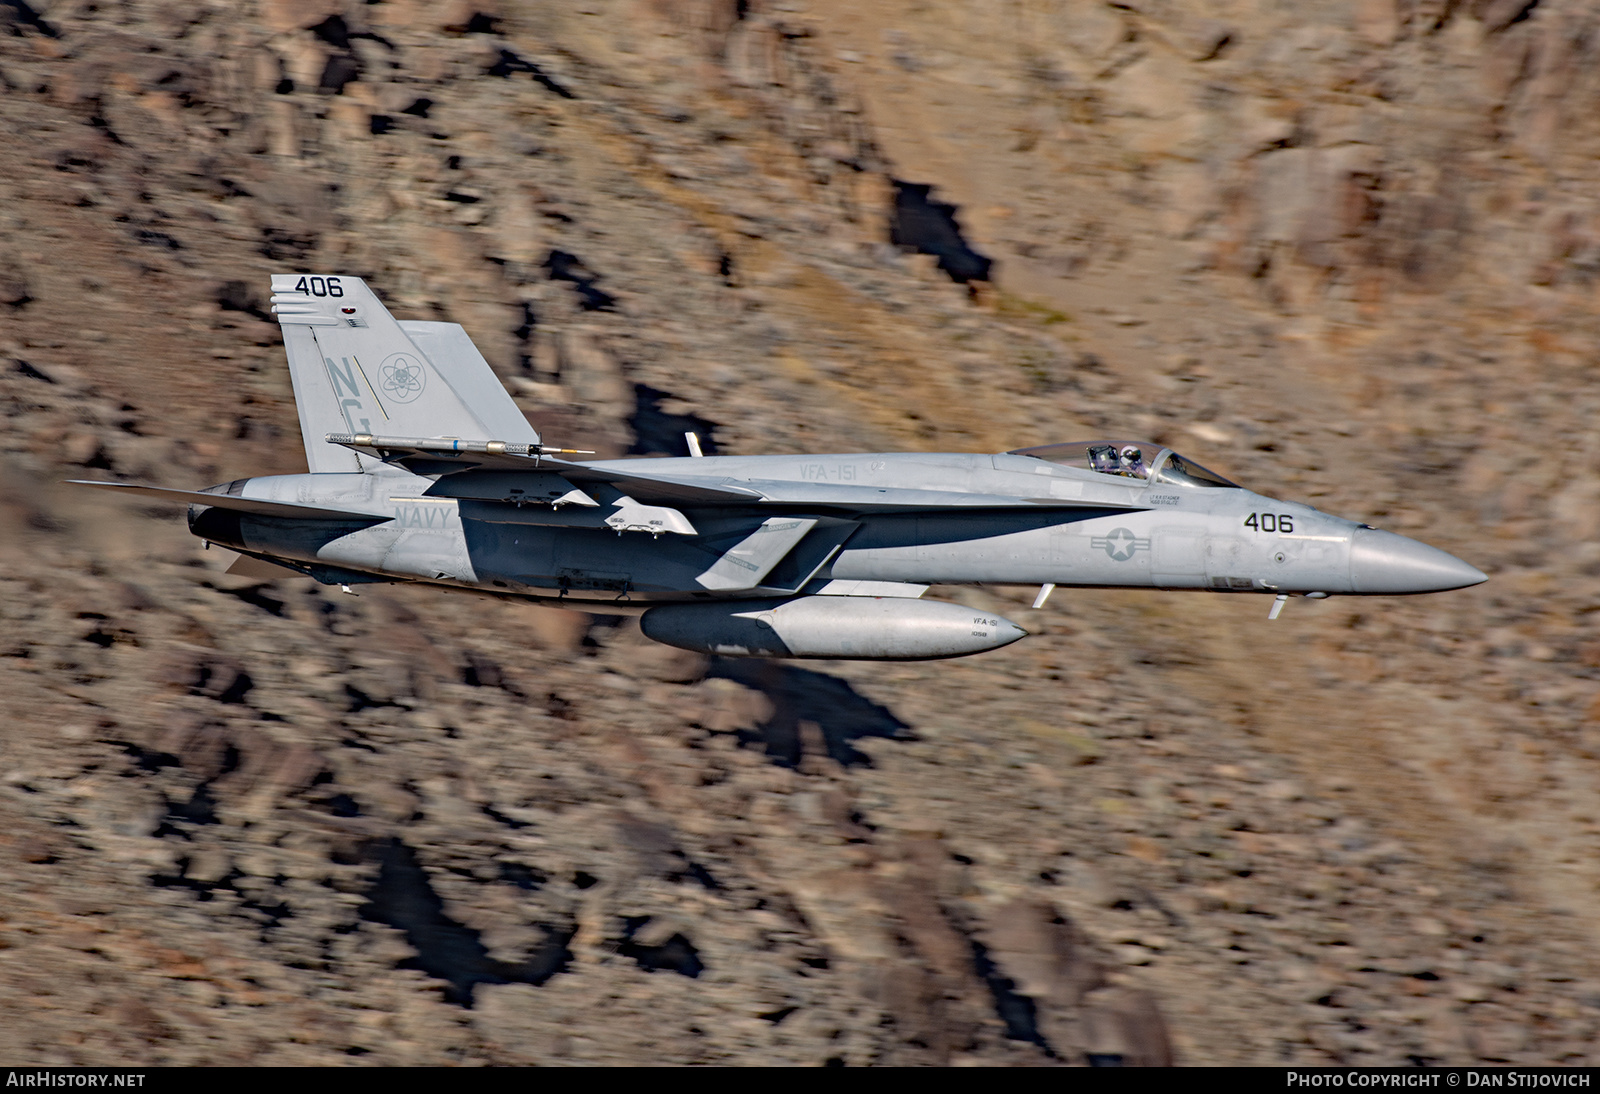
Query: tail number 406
{"points": [[319, 286], [1270, 522]]}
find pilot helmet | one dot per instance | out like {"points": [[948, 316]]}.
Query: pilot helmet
{"points": [[1130, 454]]}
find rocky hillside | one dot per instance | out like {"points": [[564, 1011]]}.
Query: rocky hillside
{"points": [[1343, 252]]}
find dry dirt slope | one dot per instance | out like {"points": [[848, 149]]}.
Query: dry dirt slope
{"points": [[1342, 253]]}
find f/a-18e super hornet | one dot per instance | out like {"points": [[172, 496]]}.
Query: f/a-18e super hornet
{"points": [[422, 469]]}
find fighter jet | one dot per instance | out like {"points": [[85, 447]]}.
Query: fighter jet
{"points": [[422, 469]]}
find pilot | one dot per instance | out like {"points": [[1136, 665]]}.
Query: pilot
{"points": [[1132, 461]]}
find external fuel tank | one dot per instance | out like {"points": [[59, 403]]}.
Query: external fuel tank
{"points": [[861, 628]]}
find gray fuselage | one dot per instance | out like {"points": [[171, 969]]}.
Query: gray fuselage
{"points": [[1118, 532]]}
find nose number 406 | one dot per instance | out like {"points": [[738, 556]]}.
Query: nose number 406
{"points": [[1270, 522]]}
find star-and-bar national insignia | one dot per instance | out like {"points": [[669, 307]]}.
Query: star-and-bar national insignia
{"points": [[1121, 544]]}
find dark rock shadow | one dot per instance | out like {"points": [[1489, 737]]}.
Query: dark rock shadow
{"points": [[508, 64], [657, 432], [568, 267], [675, 954], [918, 223], [266, 917], [1016, 1010], [800, 695], [403, 898]]}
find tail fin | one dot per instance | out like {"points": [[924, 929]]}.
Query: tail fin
{"points": [[356, 370]]}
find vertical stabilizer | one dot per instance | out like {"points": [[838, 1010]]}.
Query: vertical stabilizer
{"points": [[356, 370]]}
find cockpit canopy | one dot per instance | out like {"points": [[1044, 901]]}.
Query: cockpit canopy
{"points": [[1129, 459]]}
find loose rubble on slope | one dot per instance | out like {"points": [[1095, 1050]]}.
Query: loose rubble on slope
{"points": [[1338, 252]]}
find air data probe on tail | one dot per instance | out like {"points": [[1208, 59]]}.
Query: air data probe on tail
{"points": [[423, 469]]}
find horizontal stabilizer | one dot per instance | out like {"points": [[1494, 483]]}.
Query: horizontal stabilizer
{"points": [[255, 506]]}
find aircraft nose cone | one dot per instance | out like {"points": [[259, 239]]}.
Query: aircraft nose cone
{"points": [[1382, 562]]}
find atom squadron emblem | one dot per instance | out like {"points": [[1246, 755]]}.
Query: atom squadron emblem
{"points": [[402, 377], [1121, 544]]}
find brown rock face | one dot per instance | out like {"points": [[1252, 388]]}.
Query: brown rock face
{"points": [[1345, 253]]}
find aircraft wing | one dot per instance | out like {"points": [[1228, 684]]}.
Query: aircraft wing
{"points": [[659, 489], [870, 499], [691, 490], [244, 505], [438, 456]]}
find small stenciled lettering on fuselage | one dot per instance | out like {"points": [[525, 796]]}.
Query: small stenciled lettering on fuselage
{"points": [[1162, 499], [828, 472], [437, 516]]}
